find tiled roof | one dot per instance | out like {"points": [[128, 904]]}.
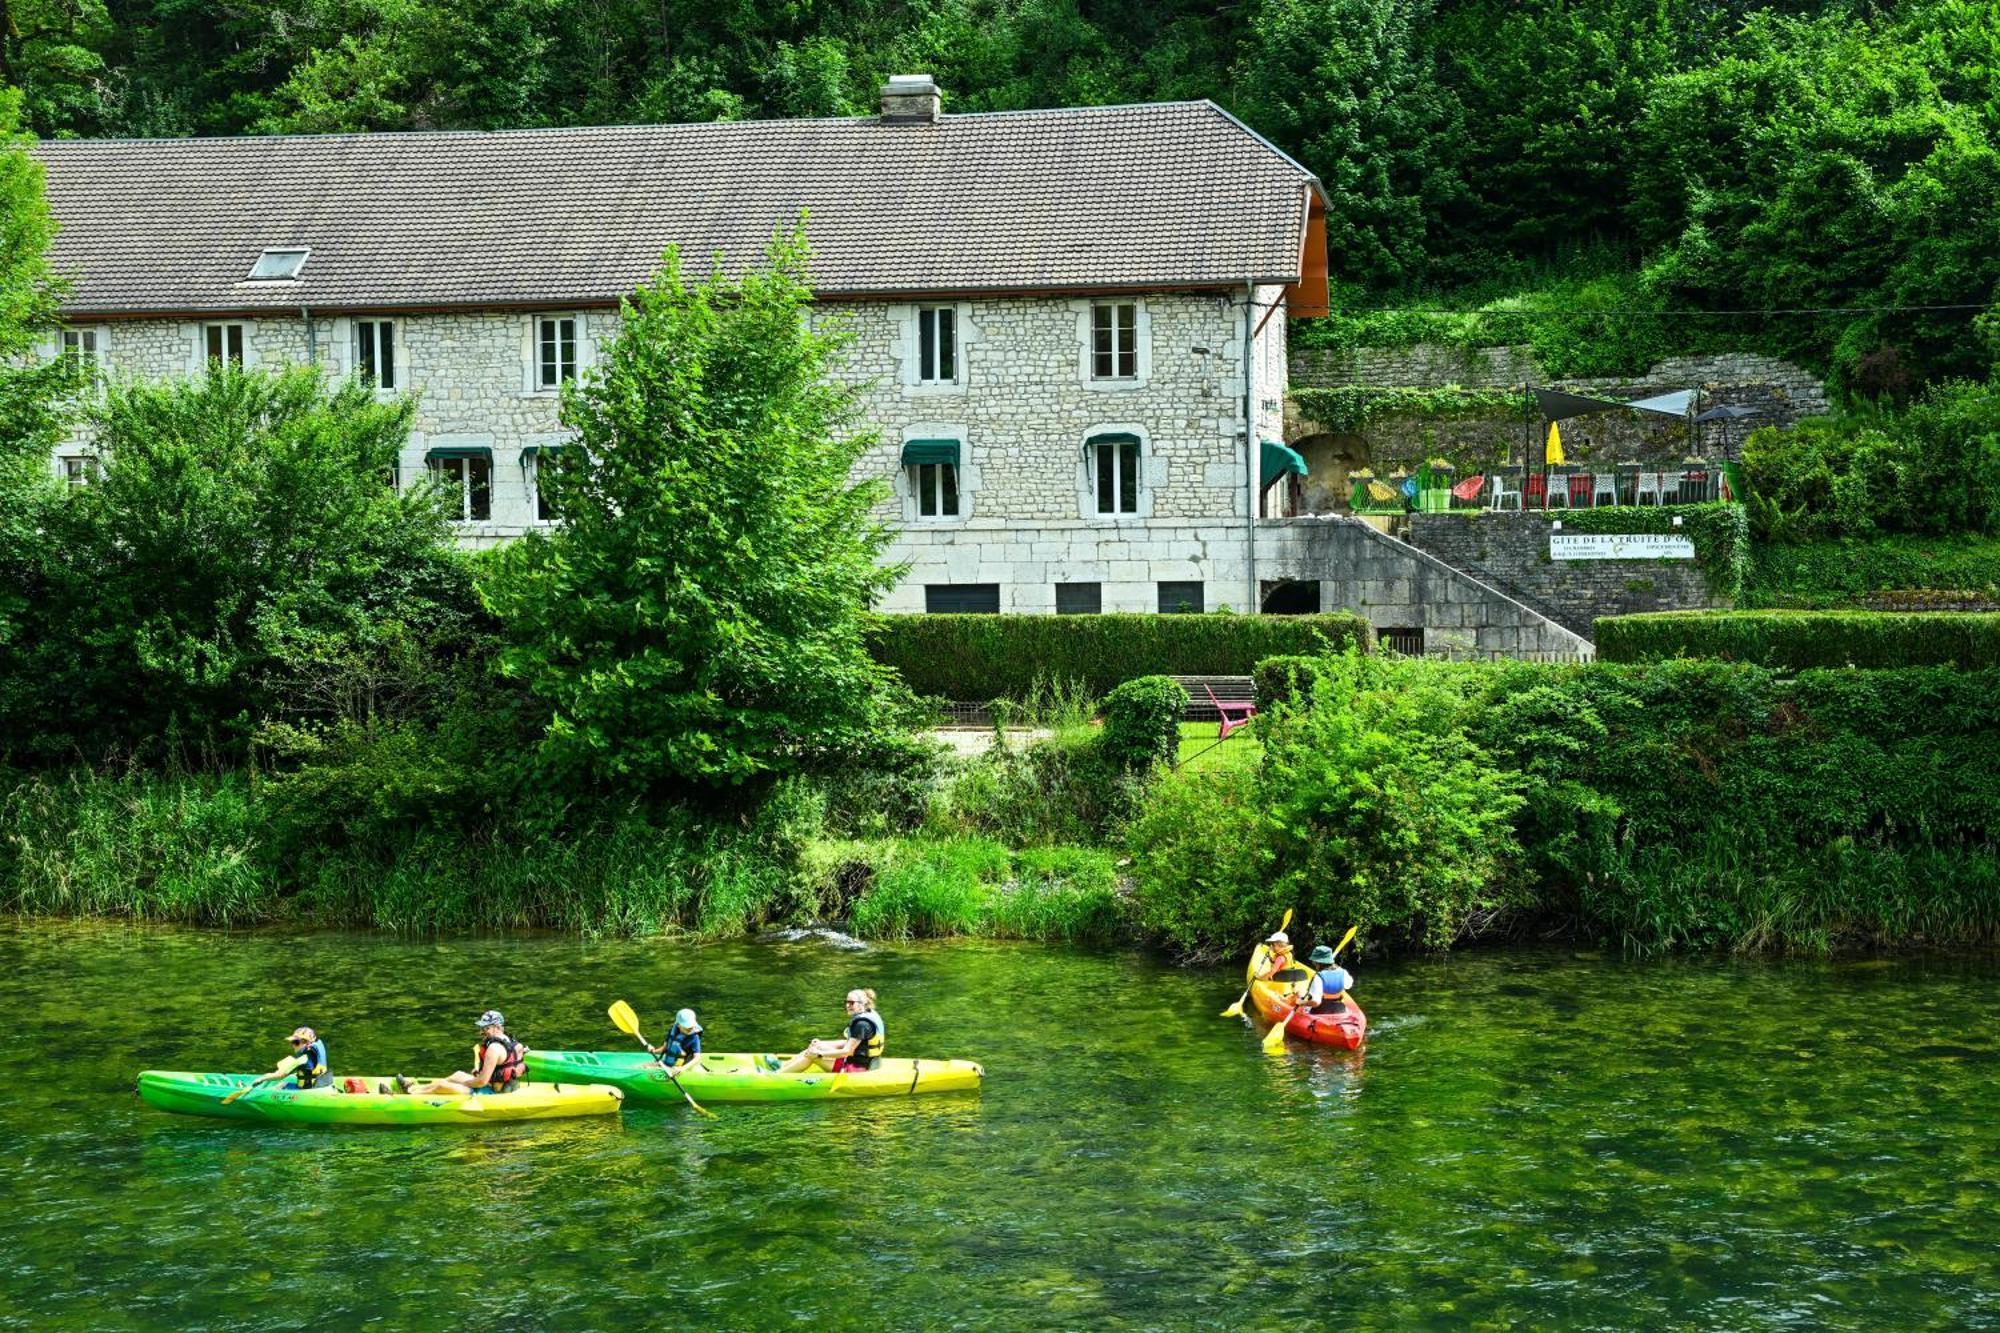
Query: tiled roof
{"points": [[1162, 196]]}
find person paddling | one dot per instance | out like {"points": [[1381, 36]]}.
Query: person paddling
{"points": [[306, 1066], [498, 1062], [860, 1048], [1327, 991], [1277, 955], [683, 1043]]}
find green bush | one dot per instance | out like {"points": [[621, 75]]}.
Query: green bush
{"points": [[1795, 640], [973, 886], [1142, 723], [1847, 571], [992, 657], [1282, 681], [1720, 534], [1201, 880], [1061, 789]]}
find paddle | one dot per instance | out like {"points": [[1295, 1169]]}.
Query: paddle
{"points": [[1274, 1040], [628, 1023], [1236, 1010], [251, 1086]]}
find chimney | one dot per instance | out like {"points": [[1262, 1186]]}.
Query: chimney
{"points": [[909, 99]]}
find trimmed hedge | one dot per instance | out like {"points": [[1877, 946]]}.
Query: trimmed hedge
{"points": [[1001, 657], [1847, 572], [1720, 533], [1796, 640]]}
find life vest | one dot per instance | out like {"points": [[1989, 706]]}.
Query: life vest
{"points": [[508, 1072], [680, 1044], [868, 1054], [312, 1074], [1333, 982]]}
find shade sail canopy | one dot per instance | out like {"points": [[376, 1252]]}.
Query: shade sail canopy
{"points": [[1730, 412], [1278, 460], [916, 452], [1673, 404], [1556, 405]]}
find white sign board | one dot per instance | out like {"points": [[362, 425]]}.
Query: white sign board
{"points": [[1619, 546]]}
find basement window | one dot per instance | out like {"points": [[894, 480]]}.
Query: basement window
{"points": [[278, 265]]}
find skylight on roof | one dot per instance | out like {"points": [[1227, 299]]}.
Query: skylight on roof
{"points": [[278, 265]]}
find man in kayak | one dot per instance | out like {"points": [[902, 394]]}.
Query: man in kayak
{"points": [[1277, 955], [306, 1065], [498, 1062], [683, 1042], [860, 1048], [1327, 991]]}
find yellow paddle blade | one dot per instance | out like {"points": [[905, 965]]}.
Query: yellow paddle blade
{"points": [[1235, 1010], [1274, 1040], [622, 1015], [1346, 939], [1287, 919]]}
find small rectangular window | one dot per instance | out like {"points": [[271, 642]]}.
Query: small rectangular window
{"points": [[1180, 598], [544, 467], [1406, 640], [1117, 476], [223, 343], [555, 352], [278, 265], [472, 479], [375, 352], [937, 345], [936, 485], [78, 470], [1114, 341], [962, 599], [80, 347], [1079, 599]]}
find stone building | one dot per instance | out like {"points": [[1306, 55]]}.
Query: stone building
{"points": [[1061, 320]]}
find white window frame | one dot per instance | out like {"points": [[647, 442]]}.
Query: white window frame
{"points": [[367, 336], [1124, 503], [1150, 474], [78, 470], [90, 345], [944, 345], [909, 479], [1139, 368], [460, 468], [1115, 322], [531, 352], [927, 482], [244, 361], [533, 470]]}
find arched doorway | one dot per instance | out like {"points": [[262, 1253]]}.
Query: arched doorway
{"points": [[1330, 462]]}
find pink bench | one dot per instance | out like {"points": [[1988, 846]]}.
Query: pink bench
{"points": [[1234, 714]]}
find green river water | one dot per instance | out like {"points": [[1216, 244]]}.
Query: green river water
{"points": [[1529, 1139]]}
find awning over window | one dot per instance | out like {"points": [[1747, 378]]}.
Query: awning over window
{"points": [[459, 451], [1278, 460], [1112, 437], [916, 452]]}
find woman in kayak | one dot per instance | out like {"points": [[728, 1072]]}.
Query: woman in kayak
{"points": [[860, 1048], [498, 1062], [1327, 991], [683, 1042], [1277, 955], [306, 1065]]}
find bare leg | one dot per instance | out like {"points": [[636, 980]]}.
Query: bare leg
{"points": [[457, 1085]]}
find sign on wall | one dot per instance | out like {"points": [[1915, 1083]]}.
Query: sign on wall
{"points": [[1619, 546]]}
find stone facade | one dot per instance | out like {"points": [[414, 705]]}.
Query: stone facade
{"points": [[1510, 550]]}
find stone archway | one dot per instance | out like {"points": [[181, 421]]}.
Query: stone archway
{"points": [[1330, 461]]}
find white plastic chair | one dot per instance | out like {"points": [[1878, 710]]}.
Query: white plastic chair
{"points": [[1649, 484], [1605, 490], [1503, 491]]}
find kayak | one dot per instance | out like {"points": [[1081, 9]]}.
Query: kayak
{"points": [[202, 1094], [1345, 1027], [725, 1077]]}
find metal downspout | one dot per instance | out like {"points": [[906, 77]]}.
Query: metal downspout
{"points": [[312, 337], [1256, 603]]}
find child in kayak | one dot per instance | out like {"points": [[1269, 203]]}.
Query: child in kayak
{"points": [[498, 1063], [683, 1042], [305, 1066], [1327, 991], [860, 1048], [1277, 955]]}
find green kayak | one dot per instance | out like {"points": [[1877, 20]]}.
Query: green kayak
{"points": [[724, 1077], [203, 1094]]}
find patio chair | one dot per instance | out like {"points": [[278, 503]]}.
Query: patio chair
{"points": [[1467, 491], [1535, 491], [1579, 490], [1650, 483], [1383, 495], [1502, 492], [1235, 715], [1604, 491]]}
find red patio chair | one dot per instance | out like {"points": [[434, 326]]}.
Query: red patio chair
{"points": [[1535, 494], [1234, 715], [1580, 484], [1467, 491]]}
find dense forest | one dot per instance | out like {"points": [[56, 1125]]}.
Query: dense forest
{"points": [[1635, 157]]}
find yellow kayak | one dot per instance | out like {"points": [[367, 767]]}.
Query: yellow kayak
{"points": [[741, 1077], [377, 1103]]}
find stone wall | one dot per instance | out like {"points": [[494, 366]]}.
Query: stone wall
{"points": [[1510, 550]]}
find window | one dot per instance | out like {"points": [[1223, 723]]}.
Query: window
{"points": [[1115, 473], [1407, 640], [1114, 341], [961, 599], [471, 476], [80, 347], [79, 469], [936, 485], [222, 342], [278, 265], [937, 345], [1079, 599], [542, 466], [1178, 598], [555, 352], [375, 352]]}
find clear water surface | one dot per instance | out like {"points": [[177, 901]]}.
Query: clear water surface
{"points": [[1529, 1139]]}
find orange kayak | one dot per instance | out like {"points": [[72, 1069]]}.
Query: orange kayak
{"points": [[1277, 998]]}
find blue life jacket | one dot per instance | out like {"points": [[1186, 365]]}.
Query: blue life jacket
{"points": [[681, 1048], [313, 1073], [1334, 980]]}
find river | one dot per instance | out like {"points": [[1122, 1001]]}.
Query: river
{"points": [[1530, 1138]]}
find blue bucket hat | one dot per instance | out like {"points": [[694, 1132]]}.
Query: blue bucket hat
{"points": [[684, 1020]]}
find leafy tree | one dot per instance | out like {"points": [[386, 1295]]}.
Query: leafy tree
{"points": [[50, 50], [696, 620]]}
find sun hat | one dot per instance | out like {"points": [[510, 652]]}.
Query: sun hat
{"points": [[1320, 955], [1277, 937], [305, 1035], [684, 1020], [492, 1019]]}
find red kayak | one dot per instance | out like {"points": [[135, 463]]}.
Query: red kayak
{"points": [[1341, 1025]]}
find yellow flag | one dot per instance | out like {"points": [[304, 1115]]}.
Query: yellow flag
{"points": [[1555, 454]]}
